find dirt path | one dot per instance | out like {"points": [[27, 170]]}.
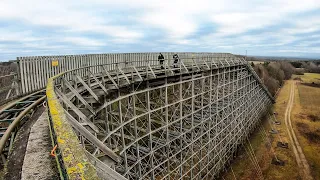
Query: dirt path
{"points": [[300, 157]]}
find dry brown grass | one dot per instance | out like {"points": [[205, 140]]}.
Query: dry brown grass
{"points": [[243, 167], [257, 62], [309, 77], [306, 117], [306, 120], [290, 170]]}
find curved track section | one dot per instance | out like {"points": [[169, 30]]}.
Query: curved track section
{"points": [[13, 116], [148, 122]]}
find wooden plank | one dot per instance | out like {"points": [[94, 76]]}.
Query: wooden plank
{"points": [[103, 58], [96, 60], [113, 62], [42, 71], [76, 110], [83, 131], [104, 169], [48, 68], [116, 61], [56, 68], [45, 71], [33, 73], [102, 87], [75, 92], [110, 78], [51, 70], [100, 60], [88, 88], [22, 74], [61, 65], [66, 63], [81, 64], [37, 73], [109, 67], [27, 75], [30, 74]]}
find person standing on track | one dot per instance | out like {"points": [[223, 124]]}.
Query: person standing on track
{"points": [[175, 60], [161, 60]]}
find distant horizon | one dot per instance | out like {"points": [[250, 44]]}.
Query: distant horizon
{"points": [[296, 57], [264, 56]]}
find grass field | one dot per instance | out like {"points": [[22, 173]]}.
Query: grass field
{"points": [[306, 117], [243, 168], [256, 62], [306, 123], [309, 77]]}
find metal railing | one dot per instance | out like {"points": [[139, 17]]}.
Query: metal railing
{"points": [[11, 118], [34, 71]]}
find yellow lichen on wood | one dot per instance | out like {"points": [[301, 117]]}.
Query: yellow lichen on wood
{"points": [[75, 161]]}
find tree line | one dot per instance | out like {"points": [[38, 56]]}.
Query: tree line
{"points": [[273, 73]]}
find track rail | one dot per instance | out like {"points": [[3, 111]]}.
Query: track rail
{"points": [[13, 116]]}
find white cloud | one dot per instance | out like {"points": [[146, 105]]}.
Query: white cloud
{"points": [[83, 41], [176, 25], [178, 18], [172, 24], [62, 15], [17, 36], [265, 14], [237, 23]]}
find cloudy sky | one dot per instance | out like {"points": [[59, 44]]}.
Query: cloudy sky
{"points": [[263, 27]]}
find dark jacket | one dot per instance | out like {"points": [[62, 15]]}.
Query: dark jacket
{"points": [[160, 57], [175, 58]]}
